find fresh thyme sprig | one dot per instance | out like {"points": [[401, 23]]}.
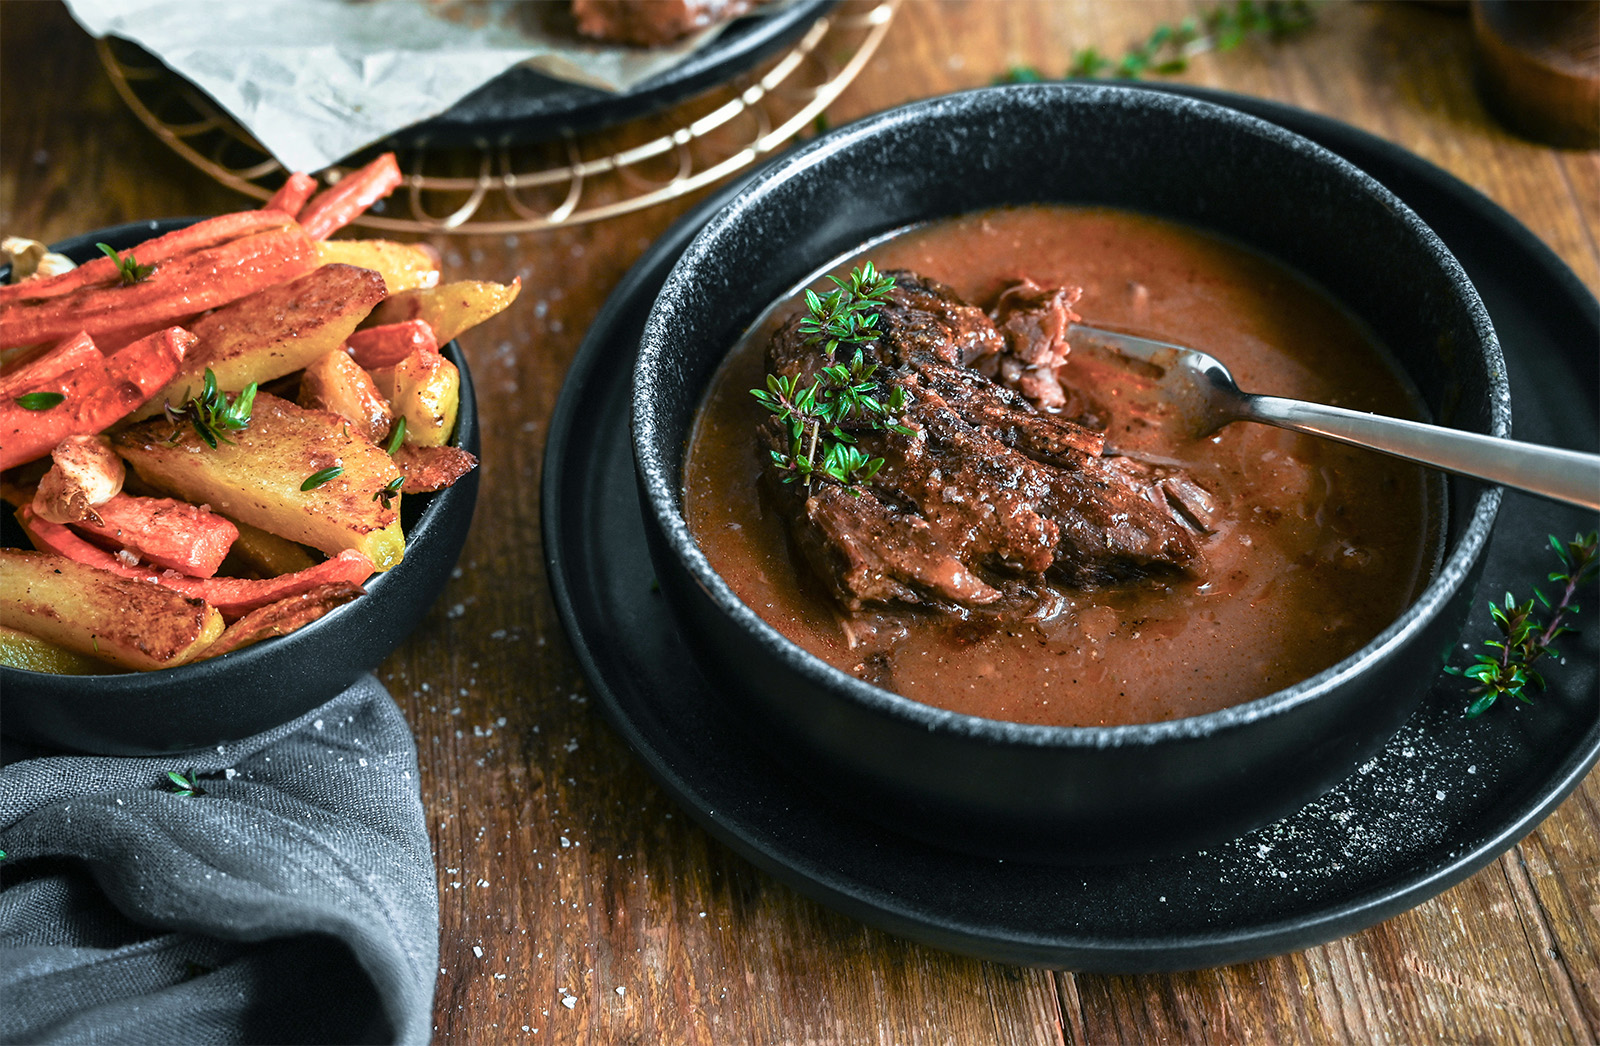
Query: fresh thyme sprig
{"points": [[212, 415], [129, 268], [848, 314], [185, 784], [816, 415], [389, 491], [841, 393], [1168, 48], [1523, 638]]}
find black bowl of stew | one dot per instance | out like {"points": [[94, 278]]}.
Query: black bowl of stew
{"points": [[268, 683], [1013, 783]]}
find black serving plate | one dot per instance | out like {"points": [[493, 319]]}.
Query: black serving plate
{"points": [[270, 682], [1442, 799], [522, 105]]}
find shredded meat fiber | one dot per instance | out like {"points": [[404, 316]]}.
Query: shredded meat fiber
{"points": [[995, 492]]}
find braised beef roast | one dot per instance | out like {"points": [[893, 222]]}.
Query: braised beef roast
{"points": [[993, 492]]}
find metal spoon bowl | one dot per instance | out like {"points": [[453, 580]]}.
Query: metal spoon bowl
{"points": [[1192, 394]]}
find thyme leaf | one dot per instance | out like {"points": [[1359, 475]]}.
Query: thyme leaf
{"points": [[128, 268], [185, 784], [1524, 637], [397, 436], [39, 400], [321, 476]]}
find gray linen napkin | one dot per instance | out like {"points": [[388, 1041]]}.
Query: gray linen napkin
{"points": [[294, 901]]}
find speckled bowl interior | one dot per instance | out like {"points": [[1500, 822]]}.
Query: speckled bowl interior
{"points": [[1050, 792], [268, 683]]}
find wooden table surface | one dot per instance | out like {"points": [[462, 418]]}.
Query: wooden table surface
{"points": [[655, 931]]}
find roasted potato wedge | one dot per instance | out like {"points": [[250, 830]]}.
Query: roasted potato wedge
{"points": [[256, 553], [425, 390], [20, 649], [273, 332], [132, 624], [403, 266], [336, 383], [258, 477], [449, 308]]}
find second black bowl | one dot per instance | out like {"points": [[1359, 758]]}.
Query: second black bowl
{"points": [[1066, 793]]}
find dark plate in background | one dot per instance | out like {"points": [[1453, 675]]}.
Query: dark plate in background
{"points": [[271, 682], [521, 105], [1444, 797]]}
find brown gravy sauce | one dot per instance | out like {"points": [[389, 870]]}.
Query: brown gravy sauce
{"points": [[1317, 547]]}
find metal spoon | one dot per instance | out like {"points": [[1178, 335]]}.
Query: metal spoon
{"points": [[1193, 394]]}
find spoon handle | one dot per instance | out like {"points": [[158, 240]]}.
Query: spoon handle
{"points": [[1565, 475]]}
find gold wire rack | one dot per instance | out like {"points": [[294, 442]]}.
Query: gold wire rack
{"points": [[516, 188]]}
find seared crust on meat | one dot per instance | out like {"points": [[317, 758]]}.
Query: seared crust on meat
{"points": [[987, 489]]}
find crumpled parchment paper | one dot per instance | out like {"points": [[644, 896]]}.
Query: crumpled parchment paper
{"points": [[315, 80]]}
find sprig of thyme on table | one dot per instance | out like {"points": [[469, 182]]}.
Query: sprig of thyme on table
{"points": [[1168, 48], [819, 445], [185, 784], [1524, 639]]}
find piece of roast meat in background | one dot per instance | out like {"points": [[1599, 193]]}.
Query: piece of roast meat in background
{"points": [[988, 489], [652, 23]]}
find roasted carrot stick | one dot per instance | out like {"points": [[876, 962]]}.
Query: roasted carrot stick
{"points": [[176, 290], [199, 236], [336, 207], [292, 195], [282, 617], [68, 354], [163, 532], [389, 344], [233, 596], [92, 396]]}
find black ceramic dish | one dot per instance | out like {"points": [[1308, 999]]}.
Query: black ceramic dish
{"points": [[271, 682], [1443, 798], [1071, 794], [522, 105]]}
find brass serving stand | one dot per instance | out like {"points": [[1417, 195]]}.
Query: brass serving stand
{"points": [[516, 188]]}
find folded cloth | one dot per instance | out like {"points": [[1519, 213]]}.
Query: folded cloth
{"points": [[290, 898]]}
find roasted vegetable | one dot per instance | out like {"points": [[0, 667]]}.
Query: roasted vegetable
{"points": [[425, 390], [89, 398], [273, 332], [114, 312], [449, 308], [403, 266], [132, 624], [20, 649], [336, 383], [283, 616], [260, 477], [163, 532], [84, 473]]}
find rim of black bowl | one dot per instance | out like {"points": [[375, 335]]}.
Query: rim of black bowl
{"points": [[666, 504], [81, 248]]}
